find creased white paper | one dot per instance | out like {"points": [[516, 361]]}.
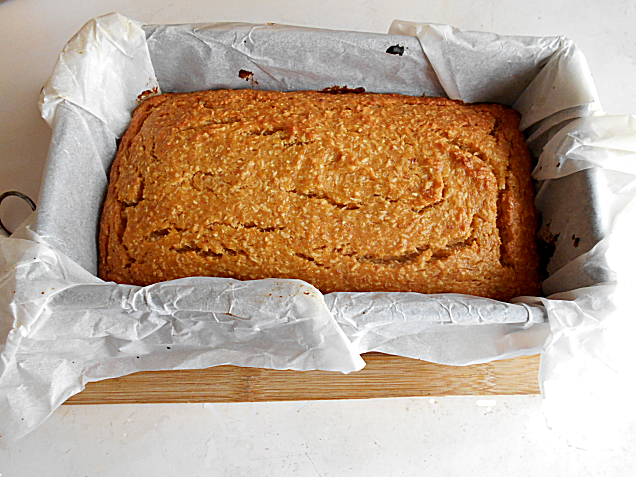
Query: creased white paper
{"points": [[477, 66], [587, 375], [607, 142], [440, 328], [104, 69]]}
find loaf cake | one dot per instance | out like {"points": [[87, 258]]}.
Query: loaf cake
{"points": [[349, 192]]}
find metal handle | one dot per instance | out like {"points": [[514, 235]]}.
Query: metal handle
{"points": [[25, 198]]}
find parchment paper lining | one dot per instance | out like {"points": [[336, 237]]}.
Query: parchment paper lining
{"points": [[64, 327]]}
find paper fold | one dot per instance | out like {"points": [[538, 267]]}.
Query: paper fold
{"points": [[105, 69]]}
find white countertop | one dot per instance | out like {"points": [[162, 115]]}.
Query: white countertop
{"points": [[446, 436], [479, 437]]}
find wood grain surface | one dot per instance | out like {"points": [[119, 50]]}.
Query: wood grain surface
{"points": [[384, 376]]}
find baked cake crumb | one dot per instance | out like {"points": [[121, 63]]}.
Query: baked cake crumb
{"points": [[352, 192]]}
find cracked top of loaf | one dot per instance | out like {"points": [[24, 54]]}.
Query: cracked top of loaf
{"points": [[349, 192]]}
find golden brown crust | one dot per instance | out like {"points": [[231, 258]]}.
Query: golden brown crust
{"points": [[348, 192]]}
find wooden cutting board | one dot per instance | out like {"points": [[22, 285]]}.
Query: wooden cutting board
{"points": [[384, 376]]}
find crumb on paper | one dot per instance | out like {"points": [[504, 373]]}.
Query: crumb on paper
{"points": [[148, 93], [247, 76], [395, 50], [343, 90]]}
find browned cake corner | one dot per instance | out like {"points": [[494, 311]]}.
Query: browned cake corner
{"points": [[366, 192]]}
